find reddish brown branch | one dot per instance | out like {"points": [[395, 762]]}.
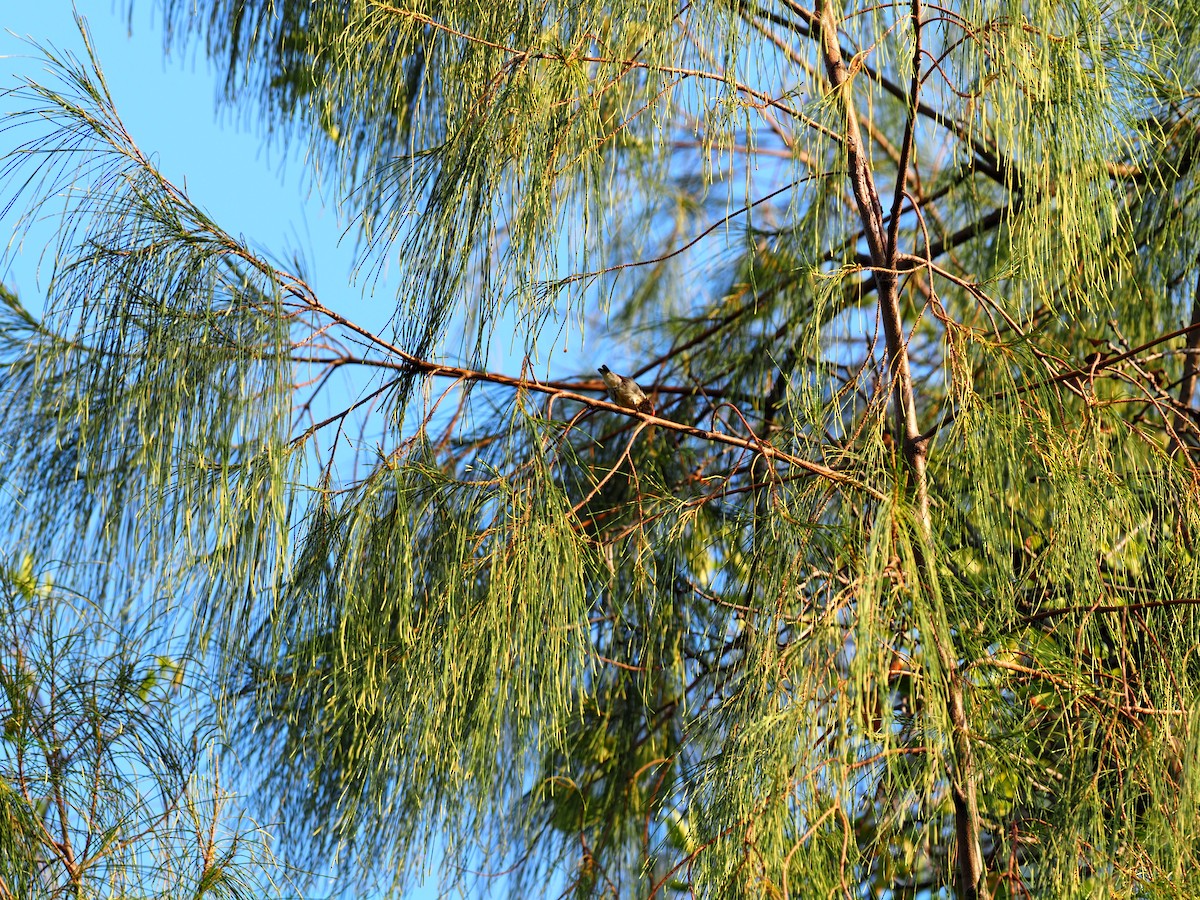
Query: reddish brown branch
{"points": [[1109, 608], [1191, 369], [408, 363], [906, 144], [971, 877]]}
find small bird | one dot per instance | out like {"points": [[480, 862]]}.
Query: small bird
{"points": [[625, 391]]}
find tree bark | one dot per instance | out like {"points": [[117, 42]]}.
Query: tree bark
{"points": [[972, 884], [1191, 372]]}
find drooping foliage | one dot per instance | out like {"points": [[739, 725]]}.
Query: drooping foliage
{"points": [[109, 784], [896, 590]]}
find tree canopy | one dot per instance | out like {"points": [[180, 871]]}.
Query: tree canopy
{"points": [[893, 593]]}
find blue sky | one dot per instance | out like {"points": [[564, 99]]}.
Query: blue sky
{"points": [[169, 106], [264, 195]]}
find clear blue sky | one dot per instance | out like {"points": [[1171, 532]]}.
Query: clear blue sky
{"points": [[169, 106]]}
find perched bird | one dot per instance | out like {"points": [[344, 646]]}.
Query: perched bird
{"points": [[625, 391]]}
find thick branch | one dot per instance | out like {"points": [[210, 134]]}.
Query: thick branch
{"points": [[1095, 609], [1191, 369], [408, 363], [988, 162], [972, 884], [861, 182]]}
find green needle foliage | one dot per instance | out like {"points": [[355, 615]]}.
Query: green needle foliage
{"points": [[895, 595], [108, 784]]}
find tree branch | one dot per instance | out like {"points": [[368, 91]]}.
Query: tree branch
{"points": [[1191, 370], [909, 130], [408, 363], [972, 884], [1109, 608]]}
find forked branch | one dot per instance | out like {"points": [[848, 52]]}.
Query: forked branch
{"points": [[972, 884]]}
